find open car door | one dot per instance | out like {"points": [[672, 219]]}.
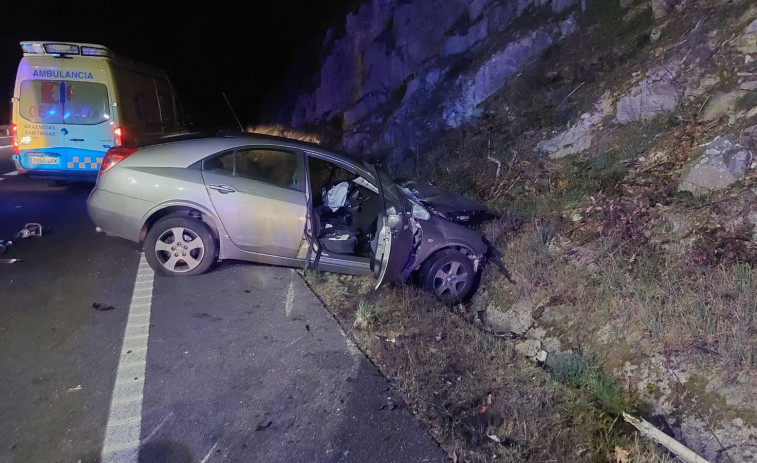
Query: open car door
{"points": [[393, 239]]}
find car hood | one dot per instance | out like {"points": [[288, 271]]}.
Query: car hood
{"points": [[446, 204]]}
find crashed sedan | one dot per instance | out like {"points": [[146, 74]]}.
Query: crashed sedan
{"points": [[193, 201]]}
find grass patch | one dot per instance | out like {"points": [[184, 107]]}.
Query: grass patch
{"points": [[366, 316]]}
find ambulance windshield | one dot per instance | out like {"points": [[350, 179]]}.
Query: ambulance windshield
{"points": [[64, 102]]}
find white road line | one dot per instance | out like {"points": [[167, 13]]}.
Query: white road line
{"points": [[8, 174], [290, 299], [121, 443]]}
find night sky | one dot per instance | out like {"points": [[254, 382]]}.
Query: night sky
{"points": [[221, 48]]}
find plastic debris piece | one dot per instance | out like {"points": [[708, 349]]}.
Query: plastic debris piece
{"points": [[31, 230]]}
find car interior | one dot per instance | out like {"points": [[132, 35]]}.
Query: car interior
{"points": [[346, 208]]}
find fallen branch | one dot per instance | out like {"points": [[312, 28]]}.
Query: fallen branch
{"points": [[512, 185], [657, 164], [569, 94], [702, 107], [684, 453]]}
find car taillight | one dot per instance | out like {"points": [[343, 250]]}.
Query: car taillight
{"points": [[14, 138], [118, 136], [113, 156]]}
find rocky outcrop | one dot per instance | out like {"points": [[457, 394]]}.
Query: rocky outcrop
{"points": [[658, 93], [403, 70], [717, 165], [579, 137], [492, 75], [747, 43]]}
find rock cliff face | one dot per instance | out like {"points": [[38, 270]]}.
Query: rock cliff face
{"points": [[672, 96], [404, 70]]}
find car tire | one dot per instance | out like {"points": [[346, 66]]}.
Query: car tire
{"points": [[449, 275], [179, 246]]}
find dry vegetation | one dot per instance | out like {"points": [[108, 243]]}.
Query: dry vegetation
{"points": [[480, 399]]}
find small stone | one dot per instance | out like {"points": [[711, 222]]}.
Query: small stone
{"points": [[654, 36], [528, 348]]}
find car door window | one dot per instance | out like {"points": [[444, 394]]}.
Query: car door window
{"points": [[266, 165], [221, 164], [275, 167]]}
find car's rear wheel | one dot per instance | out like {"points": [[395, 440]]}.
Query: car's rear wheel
{"points": [[179, 246], [448, 275]]}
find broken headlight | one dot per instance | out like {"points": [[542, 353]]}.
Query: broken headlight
{"points": [[419, 212]]}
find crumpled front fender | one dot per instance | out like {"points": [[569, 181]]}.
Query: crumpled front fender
{"points": [[436, 234]]}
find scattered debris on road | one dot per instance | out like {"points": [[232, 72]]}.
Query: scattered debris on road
{"points": [[263, 425], [4, 245], [31, 230], [102, 307]]}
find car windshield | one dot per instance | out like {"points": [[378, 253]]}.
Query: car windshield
{"points": [[387, 182]]}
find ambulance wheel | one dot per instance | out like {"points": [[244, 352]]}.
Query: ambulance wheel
{"points": [[448, 274], [179, 246]]}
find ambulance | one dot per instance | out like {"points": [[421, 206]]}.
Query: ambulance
{"points": [[73, 101]]}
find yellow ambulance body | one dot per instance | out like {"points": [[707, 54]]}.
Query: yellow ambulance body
{"points": [[73, 101]]}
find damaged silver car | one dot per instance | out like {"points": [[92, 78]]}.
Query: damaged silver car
{"points": [[191, 202]]}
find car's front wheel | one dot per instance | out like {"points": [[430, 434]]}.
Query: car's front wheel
{"points": [[448, 275], [179, 246]]}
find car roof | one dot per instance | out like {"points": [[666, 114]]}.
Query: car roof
{"points": [[183, 149]]}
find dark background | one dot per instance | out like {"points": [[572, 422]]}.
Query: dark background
{"points": [[240, 49]]}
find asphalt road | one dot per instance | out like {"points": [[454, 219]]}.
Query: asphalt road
{"points": [[242, 364]]}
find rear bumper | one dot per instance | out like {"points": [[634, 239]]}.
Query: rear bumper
{"points": [[65, 175], [82, 166], [117, 215]]}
